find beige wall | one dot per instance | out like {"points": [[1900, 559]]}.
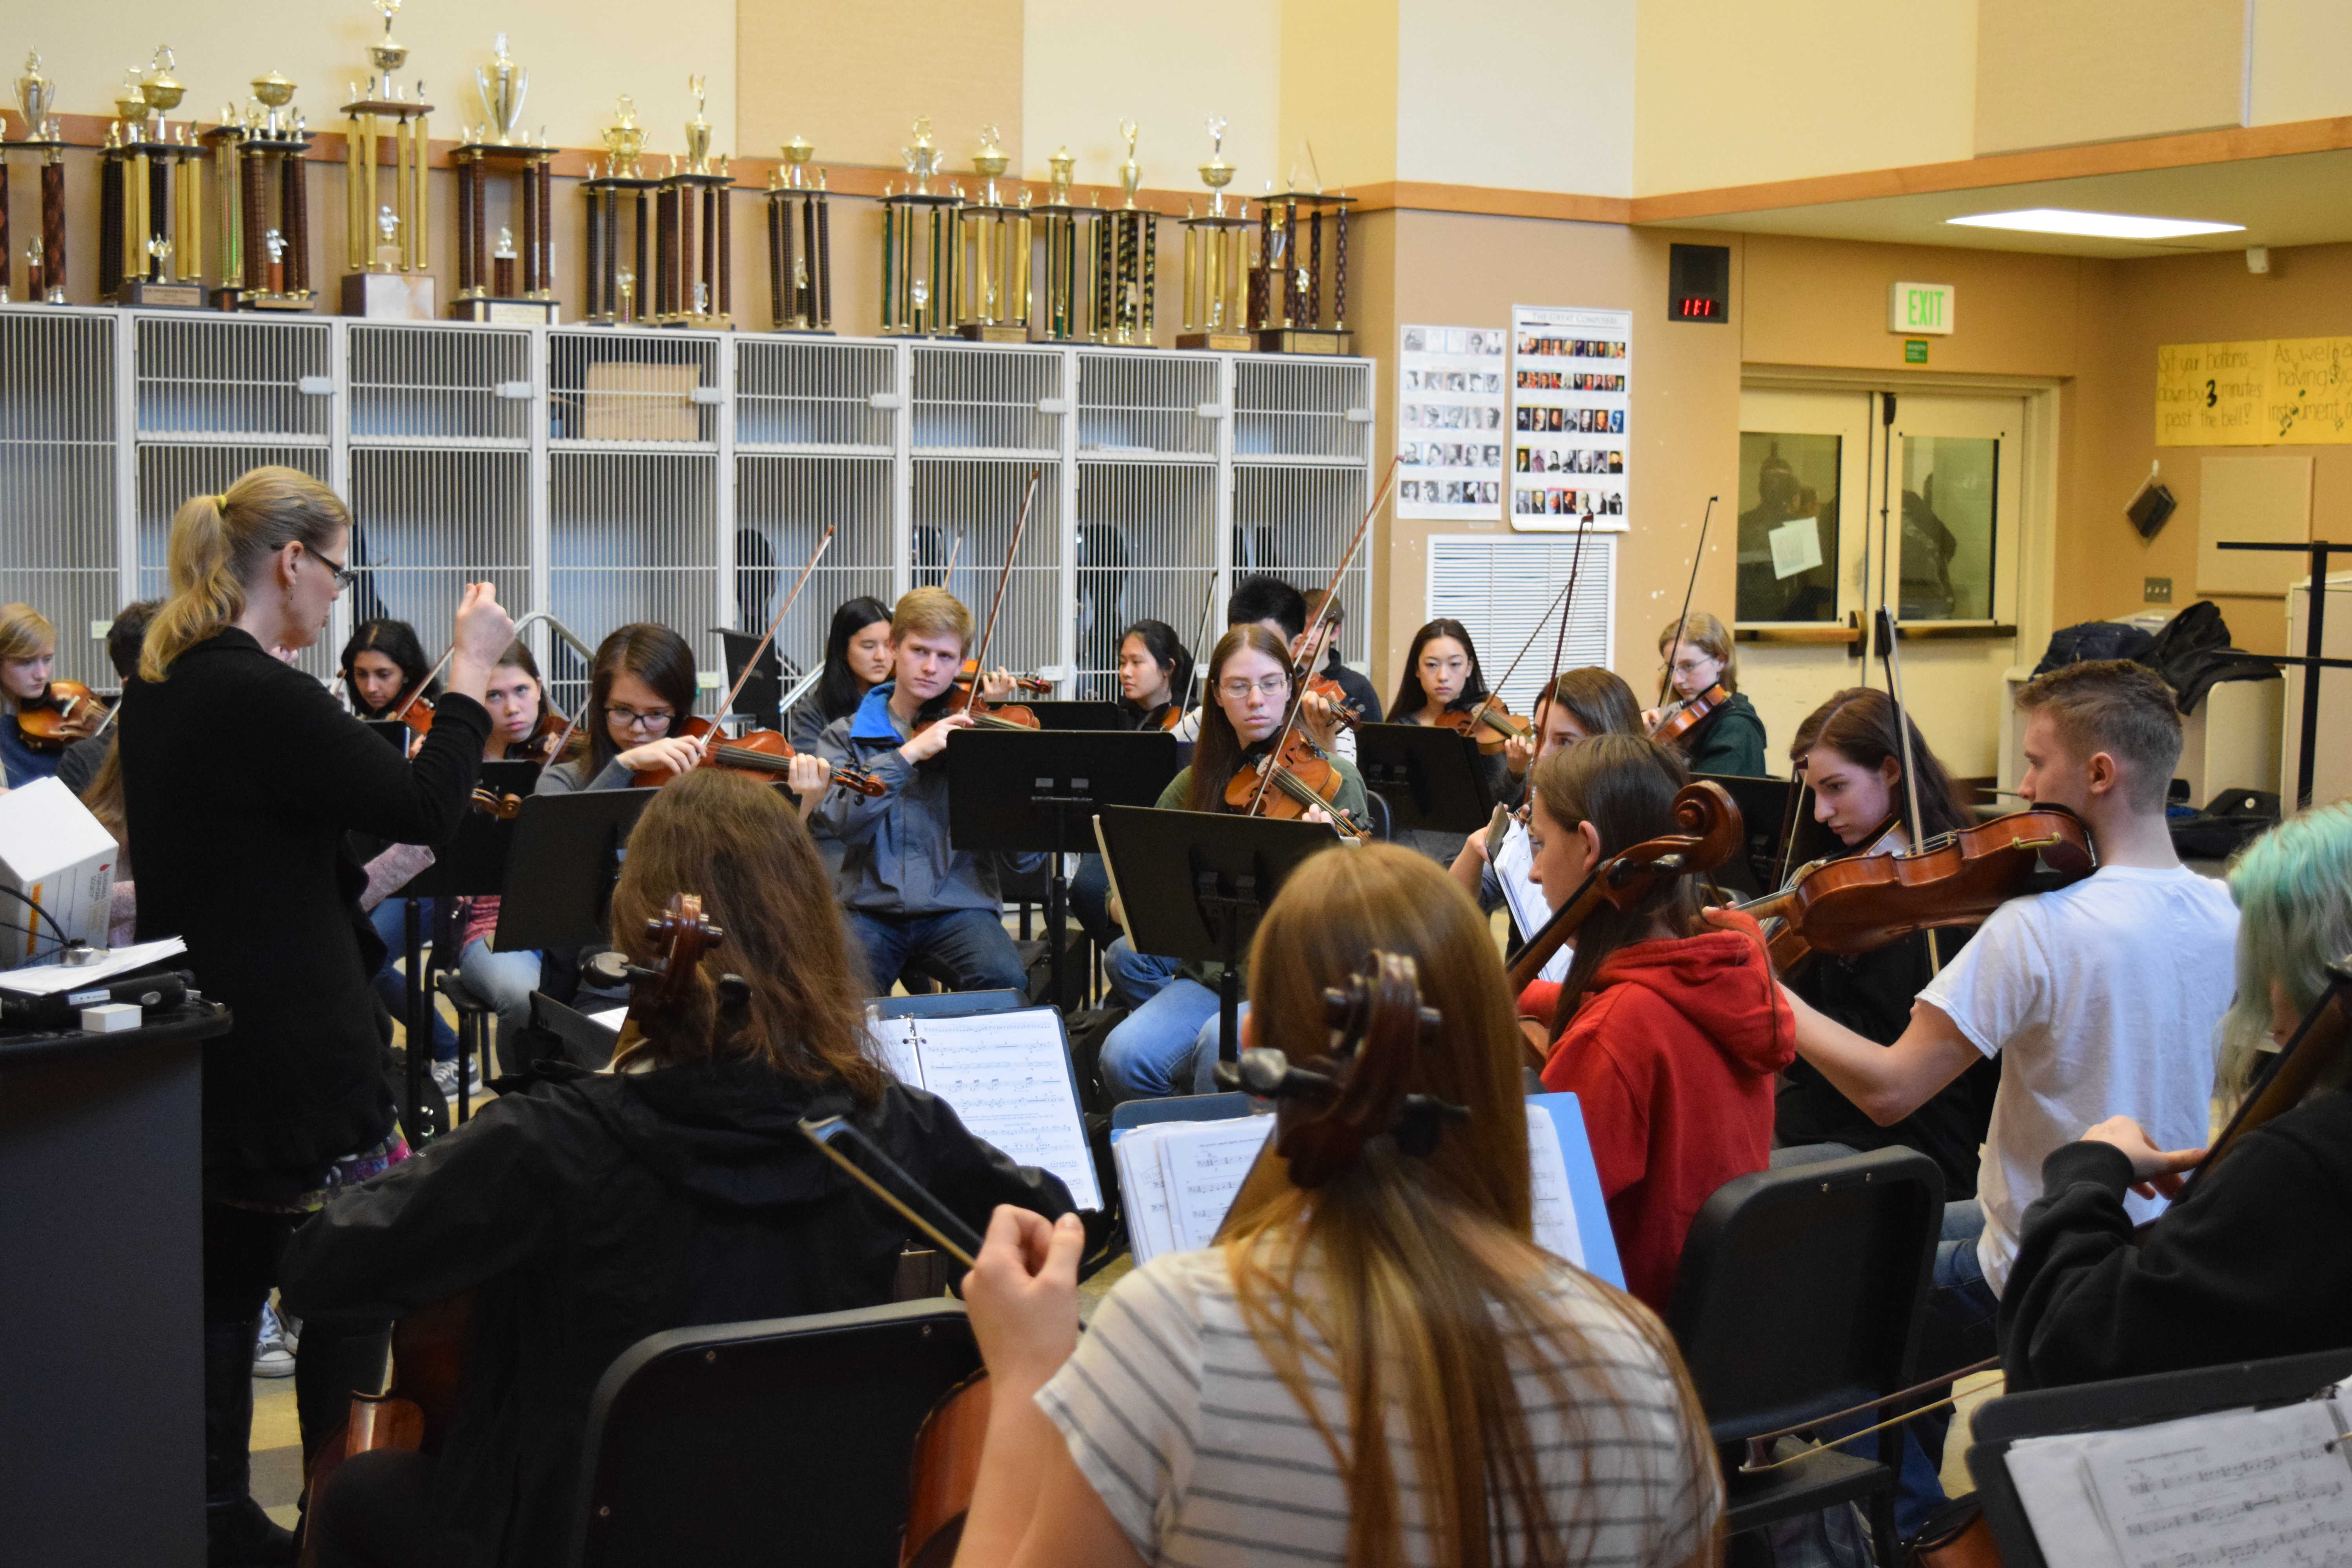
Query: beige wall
{"points": [[853, 75], [2054, 76], [1470, 113], [1339, 71], [1088, 66], [2301, 66]]}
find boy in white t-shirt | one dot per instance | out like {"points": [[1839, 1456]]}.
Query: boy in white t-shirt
{"points": [[2104, 998]]}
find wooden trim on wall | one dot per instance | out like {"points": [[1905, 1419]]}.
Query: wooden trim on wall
{"points": [[1492, 201]]}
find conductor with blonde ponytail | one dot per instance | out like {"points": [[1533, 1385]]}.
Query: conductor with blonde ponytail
{"points": [[241, 777]]}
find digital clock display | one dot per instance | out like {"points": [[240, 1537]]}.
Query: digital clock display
{"points": [[1698, 283]]}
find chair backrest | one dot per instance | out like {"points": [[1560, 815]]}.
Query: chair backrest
{"points": [[1178, 1108], [947, 1003], [1801, 1288], [1377, 816], [787, 1440]]}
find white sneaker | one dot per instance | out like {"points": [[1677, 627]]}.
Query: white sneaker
{"points": [[445, 1077], [272, 1356], [289, 1327]]}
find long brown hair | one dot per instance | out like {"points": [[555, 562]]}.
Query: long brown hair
{"points": [[1425, 1270], [1218, 751], [1863, 725], [103, 794], [217, 547], [734, 841], [655, 654], [1599, 701], [1624, 785]]}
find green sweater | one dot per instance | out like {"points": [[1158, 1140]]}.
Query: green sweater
{"points": [[1349, 798]]}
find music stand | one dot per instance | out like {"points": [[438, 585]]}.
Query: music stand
{"points": [[391, 732], [1079, 715], [1192, 885], [1765, 808], [1017, 792], [1429, 776], [762, 696], [567, 848]]}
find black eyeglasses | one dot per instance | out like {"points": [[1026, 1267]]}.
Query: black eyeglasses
{"points": [[344, 575]]}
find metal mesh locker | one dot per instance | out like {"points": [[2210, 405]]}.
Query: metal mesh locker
{"points": [[170, 472], [1147, 549], [422, 385], [978, 501], [252, 380], [782, 505], [58, 443], [1291, 407], [425, 523], [989, 399], [801, 394], [1135, 403], [635, 388], [632, 537], [1292, 520]]}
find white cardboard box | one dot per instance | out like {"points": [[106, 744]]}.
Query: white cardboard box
{"points": [[55, 853]]}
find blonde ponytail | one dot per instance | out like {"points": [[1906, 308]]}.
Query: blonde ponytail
{"points": [[217, 548]]}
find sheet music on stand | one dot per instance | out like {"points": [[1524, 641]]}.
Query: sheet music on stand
{"points": [[2235, 1487], [1007, 1077], [1529, 909]]}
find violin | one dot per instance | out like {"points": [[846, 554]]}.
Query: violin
{"points": [[1490, 725], [765, 752], [59, 716], [1344, 712], [1034, 685], [1860, 903], [1712, 833], [1679, 719], [966, 685], [1286, 788], [1783, 941], [539, 746]]}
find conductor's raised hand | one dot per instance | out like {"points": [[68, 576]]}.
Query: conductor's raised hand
{"points": [[482, 632]]}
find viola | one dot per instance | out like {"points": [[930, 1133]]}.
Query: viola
{"points": [[1712, 833], [63, 713], [765, 752], [1286, 788], [1783, 941], [1864, 902], [1344, 711], [1490, 725], [1679, 719]]}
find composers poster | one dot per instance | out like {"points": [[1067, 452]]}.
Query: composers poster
{"points": [[1450, 421], [1570, 371]]}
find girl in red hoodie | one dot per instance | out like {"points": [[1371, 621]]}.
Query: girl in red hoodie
{"points": [[1668, 1031]]}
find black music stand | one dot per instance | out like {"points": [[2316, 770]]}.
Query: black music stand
{"points": [[1194, 884], [761, 699], [2311, 658], [472, 865], [1765, 808], [1017, 792], [1429, 776], [567, 851], [1078, 715]]}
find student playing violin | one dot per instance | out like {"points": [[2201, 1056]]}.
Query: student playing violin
{"points": [[857, 660], [1322, 657], [1441, 677], [1155, 669], [1281, 609], [1730, 738], [908, 892], [1168, 1044], [1669, 1032], [382, 664], [640, 692], [517, 700], [1380, 1368], [28, 650], [2253, 1263], [676, 1189], [1849, 752], [78, 767]]}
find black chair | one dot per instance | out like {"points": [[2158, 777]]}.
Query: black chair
{"points": [[788, 1440], [1377, 817], [1800, 1295], [476, 1023]]}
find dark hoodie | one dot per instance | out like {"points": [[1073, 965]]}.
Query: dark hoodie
{"points": [[1672, 1056], [586, 1215]]}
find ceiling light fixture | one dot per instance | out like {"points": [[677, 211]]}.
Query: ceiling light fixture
{"points": [[2095, 226]]}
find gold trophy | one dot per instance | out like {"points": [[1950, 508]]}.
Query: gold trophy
{"points": [[150, 208], [1068, 311], [1216, 260], [918, 247], [44, 252], [1127, 243], [693, 242], [800, 280], [500, 145], [618, 191], [387, 245], [261, 182], [1290, 286], [993, 246]]}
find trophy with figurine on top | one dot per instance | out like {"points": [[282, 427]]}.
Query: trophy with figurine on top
{"points": [[800, 244], [500, 145], [44, 142], [693, 242], [151, 247], [1216, 260], [261, 179], [386, 234]]}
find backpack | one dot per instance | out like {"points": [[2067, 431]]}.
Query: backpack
{"points": [[2094, 639], [2193, 654]]}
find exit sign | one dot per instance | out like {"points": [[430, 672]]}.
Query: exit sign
{"points": [[1916, 308]]}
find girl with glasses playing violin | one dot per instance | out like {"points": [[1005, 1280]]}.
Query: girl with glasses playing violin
{"points": [[640, 693], [1696, 654], [1168, 1044]]}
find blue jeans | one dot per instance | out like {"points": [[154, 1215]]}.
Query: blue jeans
{"points": [[971, 944], [1090, 901], [390, 919], [1168, 1045], [504, 980], [1135, 977]]}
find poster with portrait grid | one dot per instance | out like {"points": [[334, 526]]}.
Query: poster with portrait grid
{"points": [[1450, 402], [1571, 379]]}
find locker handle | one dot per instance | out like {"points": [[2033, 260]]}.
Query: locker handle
{"points": [[1360, 417], [316, 386], [882, 400], [512, 390], [1053, 406], [1210, 410]]}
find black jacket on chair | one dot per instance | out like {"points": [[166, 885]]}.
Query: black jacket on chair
{"points": [[240, 777], [586, 1215]]}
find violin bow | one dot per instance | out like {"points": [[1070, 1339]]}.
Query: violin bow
{"points": [[1297, 679], [1200, 635], [1666, 680], [753, 663], [946, 578], [1494, 694], [1559, 641], [1886, 628], [1005, 576]]}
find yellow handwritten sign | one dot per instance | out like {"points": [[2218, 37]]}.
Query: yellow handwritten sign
{"points": [[2283, 392], [2212, 395]]}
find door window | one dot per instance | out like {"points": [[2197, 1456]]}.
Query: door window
{"points": [[1787, 526], [1951, 486]]}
